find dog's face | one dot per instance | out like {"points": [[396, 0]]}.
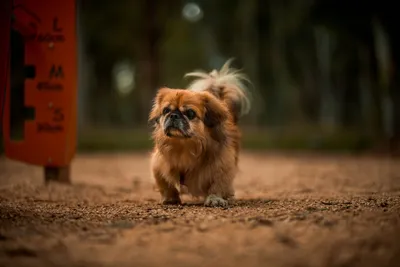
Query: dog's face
{"points": [[186, 115]]}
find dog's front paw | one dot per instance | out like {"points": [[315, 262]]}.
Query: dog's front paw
{"points": [[171, 201], [215, 201]]}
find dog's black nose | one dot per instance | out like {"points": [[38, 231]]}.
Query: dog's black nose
{"points": [[174, 116]]}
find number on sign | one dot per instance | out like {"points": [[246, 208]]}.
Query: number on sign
{"points": [[58, 115], [56, 71], [56, 28]]}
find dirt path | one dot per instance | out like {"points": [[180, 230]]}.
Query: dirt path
{"points": [[290, 211]]}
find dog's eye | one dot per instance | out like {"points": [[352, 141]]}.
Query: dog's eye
{"points": [[190, 114], [166, 110]]}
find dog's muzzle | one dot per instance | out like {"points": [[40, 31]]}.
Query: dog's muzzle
{"points": [[175, 121]]}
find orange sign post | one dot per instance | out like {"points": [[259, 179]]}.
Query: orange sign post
{"points": [[39, 125]]}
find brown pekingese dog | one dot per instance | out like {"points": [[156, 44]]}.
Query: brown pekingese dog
{"points": [[197, 138]]}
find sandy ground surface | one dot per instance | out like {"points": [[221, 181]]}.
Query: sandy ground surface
{"points": [[290, 211]]}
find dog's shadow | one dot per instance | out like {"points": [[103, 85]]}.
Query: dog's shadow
{"points": [[237, 203]]}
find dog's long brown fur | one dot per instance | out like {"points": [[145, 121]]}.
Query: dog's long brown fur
{"points": [[205, 159]]}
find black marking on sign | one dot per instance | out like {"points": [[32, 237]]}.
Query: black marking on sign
{"points": [[56, 28], [56, 72], [58, 115], [47, 38], [49, 127], [48, 86], [29, 71]]}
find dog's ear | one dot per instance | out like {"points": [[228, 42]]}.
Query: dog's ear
{"points": [[155, 112], [216, 112]]}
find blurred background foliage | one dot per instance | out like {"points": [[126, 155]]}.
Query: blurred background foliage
{"points": [[324, 73]]}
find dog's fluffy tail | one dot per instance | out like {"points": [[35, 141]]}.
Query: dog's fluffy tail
{"points": [[227, 84]]}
